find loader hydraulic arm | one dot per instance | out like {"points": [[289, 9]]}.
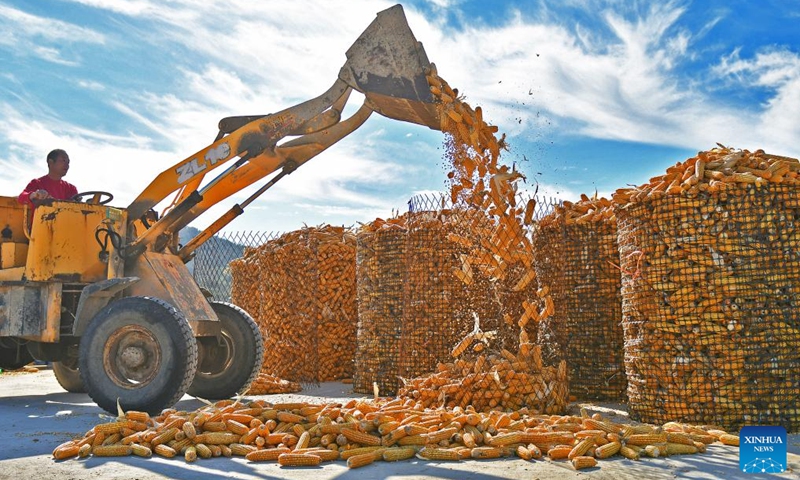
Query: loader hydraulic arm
{"points": [[386, 64]]}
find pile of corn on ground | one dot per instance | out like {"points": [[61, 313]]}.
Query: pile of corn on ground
{"points": [[361, 432]]}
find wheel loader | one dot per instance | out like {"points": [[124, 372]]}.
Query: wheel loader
{"points": [[104, 293]]}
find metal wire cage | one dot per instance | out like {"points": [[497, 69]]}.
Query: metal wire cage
{"points": [[580, 264], [710, 314]]}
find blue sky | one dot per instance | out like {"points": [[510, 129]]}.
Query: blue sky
{"points": [[594, 95]]}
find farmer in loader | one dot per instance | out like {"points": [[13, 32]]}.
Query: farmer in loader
{"points": [[50, 186]]}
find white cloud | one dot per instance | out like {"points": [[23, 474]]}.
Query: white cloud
{"points": [[91, 85], [127, 7], [24, 33], [444, 3], [627, 86], [47, 28], [617, 80], [779, 72]]}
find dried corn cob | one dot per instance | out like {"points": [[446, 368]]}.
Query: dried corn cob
{"points": [[141, 450], [398, 453], [218, 438], [628, 453], [112, 450], [644, 439], [581, 448], [270, 454], [66, 450], [361, 450], [607, 450], [203, 450], [361, 437], [486, 452], [582, 462], [361, 460], [190, 455], [431, 453], [164, 451], [559, 452], [298, 460]]}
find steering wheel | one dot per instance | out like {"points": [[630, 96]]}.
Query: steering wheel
{"points": [[97, 197]]}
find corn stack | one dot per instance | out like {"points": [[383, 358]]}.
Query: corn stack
{"points": [[578, 258], [441, 296], [433, 317], [304, 303], [289, 313], [710, 273], [246, 280], [380, 272], [298, 435], [337, 318], [439, 307], [489, 243]]}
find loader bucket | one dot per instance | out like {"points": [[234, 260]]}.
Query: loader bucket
{"points": [[387, 64]]}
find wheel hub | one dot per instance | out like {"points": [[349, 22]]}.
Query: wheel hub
{"points": [[132, 356], [216, 355]]}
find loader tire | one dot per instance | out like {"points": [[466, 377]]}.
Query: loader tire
{"points": [[230, 363], [139, 351], [68, 376]]}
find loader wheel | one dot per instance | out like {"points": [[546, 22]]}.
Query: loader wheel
{"points": [[12, 355], [68, 375], [228, 364], [139, 350]]}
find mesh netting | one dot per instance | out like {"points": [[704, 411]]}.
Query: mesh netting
{"points": [[709, 286], [443, 296], [434, 314], [380, 272], [300, 288], [210, 265], [579, 264], [337, 319]]}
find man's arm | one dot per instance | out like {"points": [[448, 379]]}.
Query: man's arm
{"points": [[25, 196], [71, 191]]}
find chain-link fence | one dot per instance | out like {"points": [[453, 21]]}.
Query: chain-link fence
{"points": [[211, 262], [432, 202]]}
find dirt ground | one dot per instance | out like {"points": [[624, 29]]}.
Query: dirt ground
{"points": [[36, 415]]}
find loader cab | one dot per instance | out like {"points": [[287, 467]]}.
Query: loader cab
{"points": [[74, 242], [68, 242]]}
